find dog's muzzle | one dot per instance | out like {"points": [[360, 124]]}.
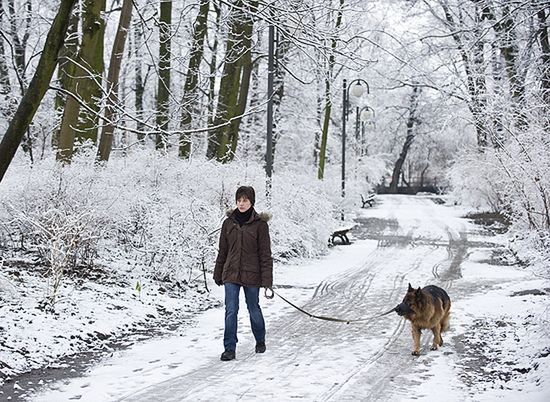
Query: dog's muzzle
{"points": [[403, 309]]}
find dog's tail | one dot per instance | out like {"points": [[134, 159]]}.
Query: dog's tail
{"points": [[445, 321]]}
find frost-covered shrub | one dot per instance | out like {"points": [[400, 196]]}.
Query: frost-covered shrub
{"points": [[532, 248], [176, 222], [51, 208], [364, 175], [158, 213], [513, 179], [303, 216], [476, 182], [54, 213]]}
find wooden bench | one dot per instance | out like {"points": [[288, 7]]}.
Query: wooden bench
{"points": [[369, 200], [342, 234]]}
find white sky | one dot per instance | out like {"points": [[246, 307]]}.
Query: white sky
{"points": [[492, 351]]}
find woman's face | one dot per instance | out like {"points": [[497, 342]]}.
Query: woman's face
{"points": [[243, 204]]}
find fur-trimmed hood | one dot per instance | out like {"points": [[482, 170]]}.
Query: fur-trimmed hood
{"points": [[263, 216]]}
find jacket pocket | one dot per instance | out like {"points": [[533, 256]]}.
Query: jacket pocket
{"points": [[250, 275]]}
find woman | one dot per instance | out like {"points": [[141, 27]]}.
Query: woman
{"points": [[244, 260]]}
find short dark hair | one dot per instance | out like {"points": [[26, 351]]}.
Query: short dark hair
{"points": [[246, 192]]}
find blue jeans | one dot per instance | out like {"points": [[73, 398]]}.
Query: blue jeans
{"points": [[252, 296]]}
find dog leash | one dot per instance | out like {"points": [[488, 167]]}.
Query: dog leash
{"points": [[320, 317]]}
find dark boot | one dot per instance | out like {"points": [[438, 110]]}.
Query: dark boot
{"points": [[228, 355], [260, 347]]}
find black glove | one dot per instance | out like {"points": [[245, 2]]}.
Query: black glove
{"points": [[268, 292], [219, 282]]}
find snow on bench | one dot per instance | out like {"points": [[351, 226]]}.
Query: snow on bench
{"points": [[340, 233], [369, 200]]}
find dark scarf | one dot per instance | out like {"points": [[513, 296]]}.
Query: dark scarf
{"points": [[243, 217]]}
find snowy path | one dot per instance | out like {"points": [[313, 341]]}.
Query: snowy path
{"points": [[401, 240]]}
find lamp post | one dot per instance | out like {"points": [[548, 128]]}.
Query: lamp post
{"points": [[364, 115], [270, 73], [356, 88]]}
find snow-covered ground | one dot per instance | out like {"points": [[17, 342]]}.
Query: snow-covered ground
{"points": [[497, 348]]}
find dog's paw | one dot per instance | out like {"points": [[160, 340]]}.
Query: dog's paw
{"points": [[415, 353], [434, 347]]}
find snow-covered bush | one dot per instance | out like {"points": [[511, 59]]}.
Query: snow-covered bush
{"points": [[157, 212], [513, 179], [469, 187], [53, 215]]}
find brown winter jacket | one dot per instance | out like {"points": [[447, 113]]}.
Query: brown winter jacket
{"points": [[244, 254]]}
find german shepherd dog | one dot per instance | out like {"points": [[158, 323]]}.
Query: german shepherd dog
{"points": [[426, 308]]}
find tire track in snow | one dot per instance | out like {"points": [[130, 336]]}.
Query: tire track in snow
{"points": [[376, 326], [399, 363]]}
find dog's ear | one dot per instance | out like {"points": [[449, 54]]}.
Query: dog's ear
{"points": [[410, 288], [419, 291]]}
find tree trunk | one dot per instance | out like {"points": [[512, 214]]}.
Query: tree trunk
{"points": [[20, 44], [318, 118], [281, 55], [509, 48], [328, 98], [229, 84], [235, 80], [211, 144], [212, 71], [138, 80], [475, 78], [65, 70], [163, 91], [123, 87], [545, 57], [412, 120], [5, 87], [37, 87], [246, 65], [106, 142], [19, 49], [497, 136], [89, 87], [233, 133], [319, 105], [324, 130], [252, 146], [81, 123], [478, 95], [190, 88], [507, 41]]}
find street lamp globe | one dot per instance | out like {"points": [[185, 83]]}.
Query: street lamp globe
{"points": [[366, 115], [357, 90]]}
